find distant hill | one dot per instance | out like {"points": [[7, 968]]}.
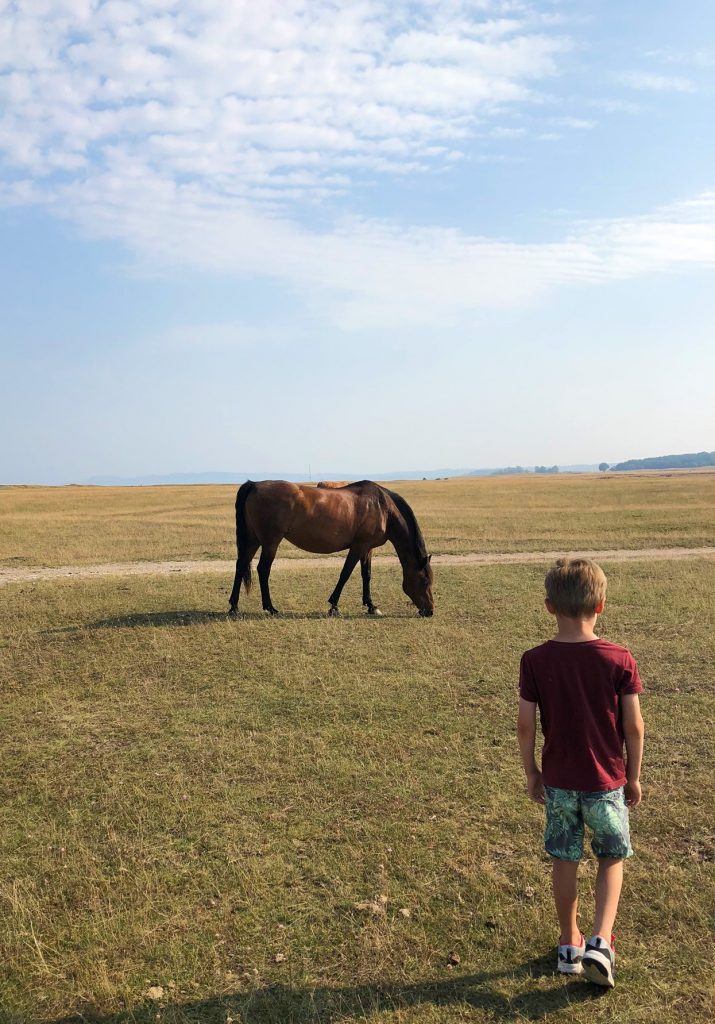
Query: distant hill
{"points": [[690, 461], [221, 477], [237, 477], [580, 467]]}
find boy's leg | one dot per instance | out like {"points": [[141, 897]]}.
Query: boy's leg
{"points": [[566, 900], [607, 814], [563, 840], [609, 881]]}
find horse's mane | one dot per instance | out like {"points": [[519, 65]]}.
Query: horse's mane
{"points": [[412, 524]]}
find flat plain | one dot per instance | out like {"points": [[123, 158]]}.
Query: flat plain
{"points": [[54, 526], [312, 820]]}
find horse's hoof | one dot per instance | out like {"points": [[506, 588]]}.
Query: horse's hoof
{"points": [[375, 612], [273, 612], [233, 613], [333, 613]]}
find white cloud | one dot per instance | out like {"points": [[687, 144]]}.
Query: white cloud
{"points": [[579, 123], [230, 87], [700, 58], [366, 273], [192, 130], [655, 82], [502, 132], [614, 106]]}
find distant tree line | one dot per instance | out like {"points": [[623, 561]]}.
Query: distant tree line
{"points": [[690, 461], [512, 470]]}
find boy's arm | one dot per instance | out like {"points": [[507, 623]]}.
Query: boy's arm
{"points": [[526, 733], [633, 732]]}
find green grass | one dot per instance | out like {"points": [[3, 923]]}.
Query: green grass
{"points": [[80, 525], [238, 812]]}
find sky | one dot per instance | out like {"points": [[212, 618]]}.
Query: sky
{"points": [[353, 236]]}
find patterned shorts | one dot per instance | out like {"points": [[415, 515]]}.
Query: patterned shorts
{"points": [[606, 814]]}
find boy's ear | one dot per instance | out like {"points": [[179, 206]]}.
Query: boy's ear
{"points": [[600, 607], [549, 606]]}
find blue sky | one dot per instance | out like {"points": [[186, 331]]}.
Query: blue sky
{"points": [[356, 236]]}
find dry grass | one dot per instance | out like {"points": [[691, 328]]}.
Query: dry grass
{"points": [[80, 525], [239, 812]]}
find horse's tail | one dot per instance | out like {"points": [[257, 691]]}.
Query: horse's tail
{"points": [[241, 530]]}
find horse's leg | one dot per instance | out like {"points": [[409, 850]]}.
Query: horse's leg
{"points": [[350, 562], [243, 562], [366, 567], [264, 570]]}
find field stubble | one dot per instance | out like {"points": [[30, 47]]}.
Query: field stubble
{"points": [[305, 820], [81, 525]]}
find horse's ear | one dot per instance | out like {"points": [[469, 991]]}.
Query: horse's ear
{"points": [[429, 558]]}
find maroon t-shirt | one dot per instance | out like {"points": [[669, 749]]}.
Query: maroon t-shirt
{"points": [[577, 687]]}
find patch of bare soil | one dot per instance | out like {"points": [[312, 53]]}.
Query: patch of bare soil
{"points": [[13, 574]]}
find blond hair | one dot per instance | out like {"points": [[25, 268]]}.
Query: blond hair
{"points": [[575, 586]]}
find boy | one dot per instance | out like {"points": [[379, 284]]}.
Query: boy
{"points": [[587, 691]]}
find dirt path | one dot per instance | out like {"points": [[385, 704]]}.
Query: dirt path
{"points": [[83, 572]]}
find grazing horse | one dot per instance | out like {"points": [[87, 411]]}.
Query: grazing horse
{"points": [[359, 517]]}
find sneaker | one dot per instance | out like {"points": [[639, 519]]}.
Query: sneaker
{"points": [[599, 961], [570, 958]]}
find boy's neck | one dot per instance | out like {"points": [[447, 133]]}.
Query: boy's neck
{"points": [[575, 631]]}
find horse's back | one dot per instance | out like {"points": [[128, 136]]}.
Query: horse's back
{"points": [[270, 506], [284, 493], [316, 519], [278, 490]]}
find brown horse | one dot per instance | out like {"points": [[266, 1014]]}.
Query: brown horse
{"points": [[359, 517]]}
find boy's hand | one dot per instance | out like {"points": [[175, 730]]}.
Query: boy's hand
{"points": [[535, 786], [632, 793]]}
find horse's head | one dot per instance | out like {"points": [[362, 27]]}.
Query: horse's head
{"points": [[417, 584]]}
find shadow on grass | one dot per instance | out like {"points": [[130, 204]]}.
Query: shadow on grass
{"points": [[173, 619], [283, 1004], [144, 619], [170, 618]]}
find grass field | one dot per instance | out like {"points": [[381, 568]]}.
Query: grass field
{"points": [[303, 820], [84, 525]]}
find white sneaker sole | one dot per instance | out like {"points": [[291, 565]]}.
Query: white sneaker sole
{"points": [[570, 968], [597, 969]]}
